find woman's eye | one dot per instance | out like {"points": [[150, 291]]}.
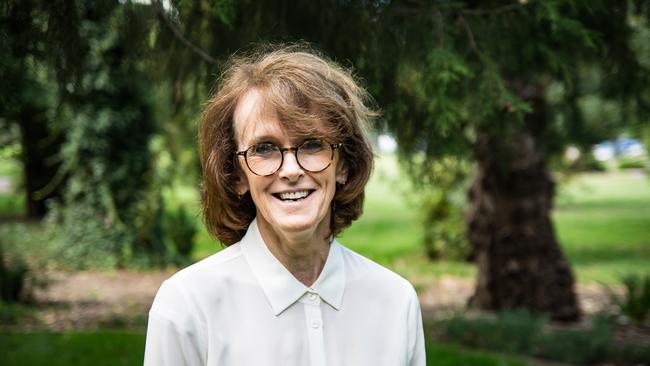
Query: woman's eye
{"points": [[312, 146], [263, 149]]}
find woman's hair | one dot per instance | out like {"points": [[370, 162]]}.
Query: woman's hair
{"points": [[313, 97]]}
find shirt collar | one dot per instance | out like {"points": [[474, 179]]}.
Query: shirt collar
{"points": [[280, 287]]}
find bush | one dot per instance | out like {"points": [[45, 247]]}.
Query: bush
{"points": [[578, 346], [635, 304], [631, 163], [514, 331], [18, 275], [181, 228], [84, 239], [524, 333]]}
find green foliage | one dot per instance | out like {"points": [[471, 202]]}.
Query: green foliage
{"points": [[632, 163], [13, 276], [20, 271], [577, 346], [635, 303], [111, 209], [15, 314], [443, 210], [515, 331], [181, 229], [527, 334]]}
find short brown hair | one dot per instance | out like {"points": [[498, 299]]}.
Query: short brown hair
{"points": [[305, 89]]}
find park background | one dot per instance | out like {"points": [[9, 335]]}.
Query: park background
{"points": [[510, 187]]}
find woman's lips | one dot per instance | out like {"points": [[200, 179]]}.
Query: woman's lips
{"points": [[293, 195]]}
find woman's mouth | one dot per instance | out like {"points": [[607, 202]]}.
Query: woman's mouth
{"points": [[293, 196]]}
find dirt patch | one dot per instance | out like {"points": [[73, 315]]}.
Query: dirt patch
{"points": [[123, 298], [93, 299]]}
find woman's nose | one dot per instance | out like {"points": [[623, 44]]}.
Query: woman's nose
{"points": [[290, 168]]}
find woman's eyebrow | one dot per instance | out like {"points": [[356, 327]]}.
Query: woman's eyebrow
{"points": [[263, 138]]}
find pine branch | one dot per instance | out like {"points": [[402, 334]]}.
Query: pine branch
{"points": [[440, 27], [160, 11], [497, 10], [470, 34]]}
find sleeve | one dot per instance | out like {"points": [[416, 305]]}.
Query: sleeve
{"points": [[417, 355], [174, 336]]}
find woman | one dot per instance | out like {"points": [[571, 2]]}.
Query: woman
{"points": [[285, 160]]}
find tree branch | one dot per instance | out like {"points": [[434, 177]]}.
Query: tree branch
{"points": [[160, 11], [440, 27], [497, 10], [470, 34]]}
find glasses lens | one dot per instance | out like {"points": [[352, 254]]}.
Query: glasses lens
{"points": [[264, 159], [314, 155]]}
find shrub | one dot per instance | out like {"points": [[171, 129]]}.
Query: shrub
{"points": [[631, 163], [524, 333], [635, 303], [13, 276], [18, 275], [514, 331], [181, 228], [577, 346]]}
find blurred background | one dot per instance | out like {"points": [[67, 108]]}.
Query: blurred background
{"points": [[510, 187]]}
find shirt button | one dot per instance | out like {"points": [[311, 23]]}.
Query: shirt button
{"points": [[312, 297], [315, 325]]}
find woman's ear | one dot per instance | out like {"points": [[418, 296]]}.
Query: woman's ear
{"points": [[241, 186], [342, 173]]}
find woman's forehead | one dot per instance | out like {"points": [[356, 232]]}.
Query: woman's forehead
{"points": [[256, 119]]}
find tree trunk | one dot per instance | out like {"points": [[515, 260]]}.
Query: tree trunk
{"points": [[520, 264], [39, 150]]}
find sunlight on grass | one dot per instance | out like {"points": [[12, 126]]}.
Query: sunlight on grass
{"points": [[603, 223]]}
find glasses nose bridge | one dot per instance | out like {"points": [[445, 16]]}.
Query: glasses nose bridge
{"points": [[295, 155], [291, 148]]}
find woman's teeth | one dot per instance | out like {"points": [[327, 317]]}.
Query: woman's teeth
{"points": [[293, 195]]}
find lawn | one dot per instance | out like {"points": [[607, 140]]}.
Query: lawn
{"points": [[603, 223], [117, 347]]}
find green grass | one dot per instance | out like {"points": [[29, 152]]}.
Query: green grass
{"points": [[96, 348], [603, 223], [451, 355], [114, 347], [11, 203]]}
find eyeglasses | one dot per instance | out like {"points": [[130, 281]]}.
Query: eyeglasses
{"points": [[265, 159]]}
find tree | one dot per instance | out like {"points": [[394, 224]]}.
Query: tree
{"points": [[79, 79], [27, 99], [474, 79]]}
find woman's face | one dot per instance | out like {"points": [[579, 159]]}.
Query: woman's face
{"points": [[255, 122]]}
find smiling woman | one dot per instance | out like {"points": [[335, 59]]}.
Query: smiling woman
{"points": [[285, 159]]}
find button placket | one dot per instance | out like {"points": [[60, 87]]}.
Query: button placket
{"points": [[314, 322]]}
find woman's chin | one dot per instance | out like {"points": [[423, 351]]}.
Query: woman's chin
{"points": [[295, 224]]}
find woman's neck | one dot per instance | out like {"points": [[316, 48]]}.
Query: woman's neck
{"points": [[302, 253]]}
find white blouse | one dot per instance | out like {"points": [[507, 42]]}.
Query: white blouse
{"points": [[242, 307]]}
